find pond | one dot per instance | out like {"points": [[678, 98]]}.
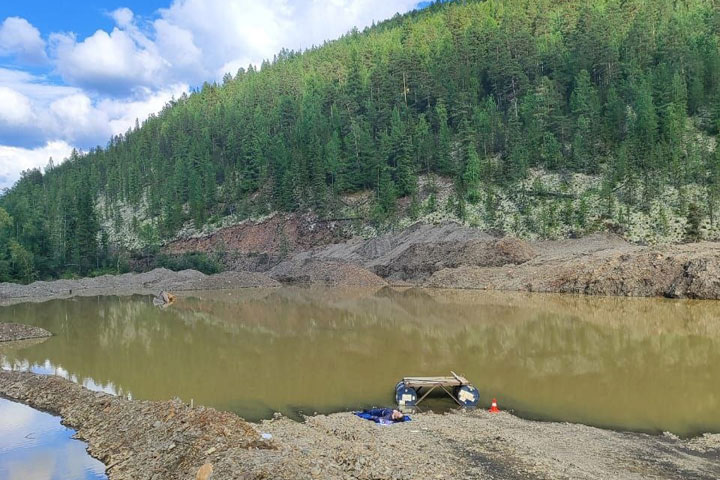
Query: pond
{"points": [[646, 365], [36, 446]]}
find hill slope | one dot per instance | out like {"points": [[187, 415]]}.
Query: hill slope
{"points": [[548, 117]]}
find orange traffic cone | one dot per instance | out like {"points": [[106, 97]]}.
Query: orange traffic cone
{"points": [[494, 408]]}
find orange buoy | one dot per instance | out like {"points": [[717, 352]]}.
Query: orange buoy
{"points": [[494, 408]]}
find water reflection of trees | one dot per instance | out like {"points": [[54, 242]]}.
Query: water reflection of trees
{"points": [[270, 349]]}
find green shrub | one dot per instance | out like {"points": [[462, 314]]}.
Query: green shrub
{"points": [[190, 261]]}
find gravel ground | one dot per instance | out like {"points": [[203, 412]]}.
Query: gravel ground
{"points": [[600, 265], [132, 283], [169, 440], [13, 332], [440, 256], [326, 273]]}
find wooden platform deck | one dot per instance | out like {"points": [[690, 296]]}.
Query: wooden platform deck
{"points": [[419, 382], [448, 384]]}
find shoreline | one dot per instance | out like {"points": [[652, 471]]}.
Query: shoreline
{"points": [[443, 256], [16, 332], [144, 439]]}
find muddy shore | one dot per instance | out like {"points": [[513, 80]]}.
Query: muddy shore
{"points": [[171, 440], [149, 283], [15, 332], [433, 256]]}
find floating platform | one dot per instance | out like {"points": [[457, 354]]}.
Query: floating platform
{"points": [[459, 388]]}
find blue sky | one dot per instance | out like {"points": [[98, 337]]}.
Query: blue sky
{"points": [[73, 73], [81, 17]]}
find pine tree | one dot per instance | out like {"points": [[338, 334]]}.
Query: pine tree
{"points": [[443, 162], [472, 175], [86, 229]]}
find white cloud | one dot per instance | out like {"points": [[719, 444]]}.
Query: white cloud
{"points": [[184, 58], [37, 87], [39, 120], [74, 118], [123, 16], [112, 78], [226, 31], [193, 41], [34, 111], [239, 32], [18, 37], [14, 160], [16, 108], [107, 62], [121, 114]]}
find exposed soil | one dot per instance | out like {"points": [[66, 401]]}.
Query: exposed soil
{"points": [[601, 265], [14, 332], [141, 440], [279, 233], [322, 272], [454, 256], [171, 440], [154, 440], [132, 283], [420, 260], [447, 255]]}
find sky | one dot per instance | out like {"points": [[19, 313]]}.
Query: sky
{"points": [[74, 73]]}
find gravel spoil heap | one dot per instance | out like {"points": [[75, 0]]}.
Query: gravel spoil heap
{"points": [[140, 439], [12, 332], [169, 440], [133, 283]]}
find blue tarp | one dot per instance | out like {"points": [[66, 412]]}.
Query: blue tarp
{"points": [[383, 416]]}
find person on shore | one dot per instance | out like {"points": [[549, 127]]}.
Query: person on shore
{"points": [[383, 416]]}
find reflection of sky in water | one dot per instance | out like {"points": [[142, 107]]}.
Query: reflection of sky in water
{"points": [[49, 369], [643, 365], [36, 446]]}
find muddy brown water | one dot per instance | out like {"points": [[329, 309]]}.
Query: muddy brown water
{"points": [[632, 364]]}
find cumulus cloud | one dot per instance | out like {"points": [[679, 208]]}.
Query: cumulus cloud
{"points": [[110, 78], [16, 107], [39, 120], [123, 16], [193, 41], [238, 32], [37, 87], [121, 114], [13, 160], [19, 38], [35, 111], [107, 62]]}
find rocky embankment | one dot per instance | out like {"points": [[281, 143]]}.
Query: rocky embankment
{"points": [[170, 440], [447, 255], [133, 283], [454, 256], [142, 440], [600, 265], [15, 332]]}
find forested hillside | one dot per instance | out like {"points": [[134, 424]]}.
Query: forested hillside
{"points": [[617, 102]]}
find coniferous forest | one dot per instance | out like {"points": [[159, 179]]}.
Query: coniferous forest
{"points": [[481, 94]]}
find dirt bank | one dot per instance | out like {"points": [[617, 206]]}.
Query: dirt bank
{"points": [[278, 233], [169, 440], [446, 255], [132, 283], [420, 260], [327, 273], [601, 265], [14, 332], [454, 256], [140, 440]]}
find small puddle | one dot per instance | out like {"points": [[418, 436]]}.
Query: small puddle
{"points": [[35, 446]]}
